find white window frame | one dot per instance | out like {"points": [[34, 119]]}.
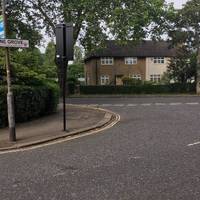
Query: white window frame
{"points": [[130, 60], [158, 60], [155, 78], [107, 61], [105, 79], [136, 76]]}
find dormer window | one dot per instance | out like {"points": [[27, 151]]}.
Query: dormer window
{"points": [[130, 61], [159, 60], [107, 61]]}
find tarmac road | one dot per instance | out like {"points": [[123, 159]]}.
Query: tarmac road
{"points": [[153, 153]]}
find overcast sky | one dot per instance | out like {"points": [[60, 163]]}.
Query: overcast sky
{"points": [[177, 3]]}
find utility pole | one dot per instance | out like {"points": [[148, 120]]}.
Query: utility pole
{"points": [[10, 98]]}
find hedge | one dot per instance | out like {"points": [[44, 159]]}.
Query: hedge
{"points": [[30, 102], [139, 89]]}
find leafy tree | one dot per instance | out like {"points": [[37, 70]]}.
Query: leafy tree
{"points": [[182, 68], [76, 70], [26, 65], [49, 67], [20, 25], [31, 58], [165, 79], [122, 18], [185, 32], [78, 55], [95, 20]]}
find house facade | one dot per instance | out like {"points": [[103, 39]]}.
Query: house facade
{"points": [[146, 61]]}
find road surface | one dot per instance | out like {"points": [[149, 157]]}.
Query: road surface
{"points": [[153, 153]]}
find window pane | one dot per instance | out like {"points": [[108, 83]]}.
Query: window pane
{"points": [[107, 61], [130, 61]]}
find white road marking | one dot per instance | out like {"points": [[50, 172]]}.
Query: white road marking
{"points": [[192, 103], [131, 105], [175, 104], [118, 105], [145, 104], [160, 104], [141, 104], [196, 143], [59, 174], [137, 157]]}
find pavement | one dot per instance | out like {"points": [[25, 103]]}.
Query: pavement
{"points": [[151, 154], [49, 128]]}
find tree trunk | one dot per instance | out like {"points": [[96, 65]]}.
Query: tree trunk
{"points": [[198, 74]]}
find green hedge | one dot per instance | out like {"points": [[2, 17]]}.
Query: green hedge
{"points": [[30, 102], [139, 89]]}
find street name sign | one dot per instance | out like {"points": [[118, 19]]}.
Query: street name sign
{"points": [[14, 43]]}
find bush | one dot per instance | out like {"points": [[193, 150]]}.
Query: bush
{"points": [[139, 89], [30, 102], [131, 81]]}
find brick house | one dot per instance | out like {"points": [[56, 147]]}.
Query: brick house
{"points": [[145, 61]]}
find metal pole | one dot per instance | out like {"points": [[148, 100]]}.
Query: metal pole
{"points": [[10, 98], [64, 93]]}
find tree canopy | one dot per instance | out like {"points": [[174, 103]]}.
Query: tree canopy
{"points": [[184, 32], [21, 25], [95, 20]]}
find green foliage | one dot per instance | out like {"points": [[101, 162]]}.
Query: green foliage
{"points": [[75, 71], [165, 79], [31, 58], [139, 89], [131, 81], [78, 55], [184, 28], [20, 25], [30, 67], [182, 68], [35, 95], [92, 25], [49, 67], [24, 76], [30, 102]]}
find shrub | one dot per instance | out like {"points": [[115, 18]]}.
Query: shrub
{"points": [[30, 102], [131, 81], [139, 89]]}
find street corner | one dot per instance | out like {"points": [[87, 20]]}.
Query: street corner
{"points": [[81, 121]]}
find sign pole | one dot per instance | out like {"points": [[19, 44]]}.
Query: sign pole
{"points": [[10, 98], [64, 53], [64, 93]]}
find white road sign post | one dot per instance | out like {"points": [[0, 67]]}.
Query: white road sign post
{"points": [[7, 43]]}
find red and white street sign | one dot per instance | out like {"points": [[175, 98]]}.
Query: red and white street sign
{"points": [[14, 43]]}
